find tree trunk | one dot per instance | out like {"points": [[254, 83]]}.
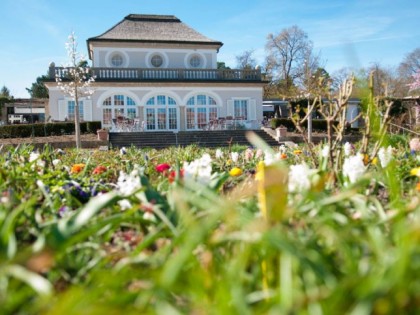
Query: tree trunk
{"points": [[77, 123]]}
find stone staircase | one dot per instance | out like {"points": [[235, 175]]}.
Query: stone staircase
{"points": [[210, 139]]}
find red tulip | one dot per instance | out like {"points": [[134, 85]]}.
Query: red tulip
{"points": [[162, 168]]}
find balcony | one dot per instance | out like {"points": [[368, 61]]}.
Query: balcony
{"points": [[145, 74]]}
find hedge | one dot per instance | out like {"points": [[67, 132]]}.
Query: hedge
{"points": [[317, 124], [48, 129]]}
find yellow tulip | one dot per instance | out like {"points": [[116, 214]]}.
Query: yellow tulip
{"points": [[235, 172], [415, 171]]}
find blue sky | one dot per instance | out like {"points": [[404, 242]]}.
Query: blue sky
{"points": [[346, 33]]}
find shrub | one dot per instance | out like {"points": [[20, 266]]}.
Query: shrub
{"points": [[48, 129], [317, 124]]}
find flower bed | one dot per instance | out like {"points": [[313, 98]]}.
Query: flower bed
{"points": [[236, 230]]}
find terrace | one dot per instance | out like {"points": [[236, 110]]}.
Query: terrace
{"points": [[147, 74]]}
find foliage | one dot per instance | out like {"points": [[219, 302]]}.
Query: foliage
{"points": [[5, 92], [38, 88], [47, 129], [319, 125], [222, 65], [131, 232]]}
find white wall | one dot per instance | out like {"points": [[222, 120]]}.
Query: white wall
{"points": [[140, 57], [140, 95]]}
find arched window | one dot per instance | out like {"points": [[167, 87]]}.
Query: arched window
{"points": [[161, 113], [118, 105], [200, 110]]}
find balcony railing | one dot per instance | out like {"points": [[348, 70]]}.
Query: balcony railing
{"points": [[139, 74]]}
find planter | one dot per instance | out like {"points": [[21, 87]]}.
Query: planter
{"points": [[281, 132], [102, 134]]}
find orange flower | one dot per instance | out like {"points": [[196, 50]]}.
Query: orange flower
{"points": [[77, 168], [283, 156], [99, 170], [418, 187], [365, 159]]}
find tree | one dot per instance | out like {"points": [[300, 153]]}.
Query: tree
{"points": [[5, 92], [221, 65], [415, 85], [387, 81], [245, 60], [5, 97], [289, 56], [411, 64], [77, 83], [38, 88]]}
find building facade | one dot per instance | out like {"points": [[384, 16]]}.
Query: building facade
{"points": [[157, 70]]}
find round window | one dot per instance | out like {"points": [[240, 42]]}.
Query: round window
{"points": [[117, 60], [156, 61], [195, 61]]}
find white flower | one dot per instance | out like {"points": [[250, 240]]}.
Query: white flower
{"points": [[385, 156], [56, 162], [219, 154], [127, 184], [347, 149], [354, 167], [282, 149], [123, 151], [325, 151], [248, 154], [33, 156], [299, 177], [148, 215], [124, 204], [199, 169], [234, 156]]}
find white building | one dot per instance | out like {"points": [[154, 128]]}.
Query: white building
{"points": [[157, 70]]}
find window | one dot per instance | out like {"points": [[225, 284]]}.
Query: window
{"points": [[118, 105], [117, 60], [156, 61], [201, 109], [71, 109], [195, 61], [240, 109], [161, 113]]}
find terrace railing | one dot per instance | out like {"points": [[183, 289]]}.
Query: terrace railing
{"points": [[139, 74]]}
